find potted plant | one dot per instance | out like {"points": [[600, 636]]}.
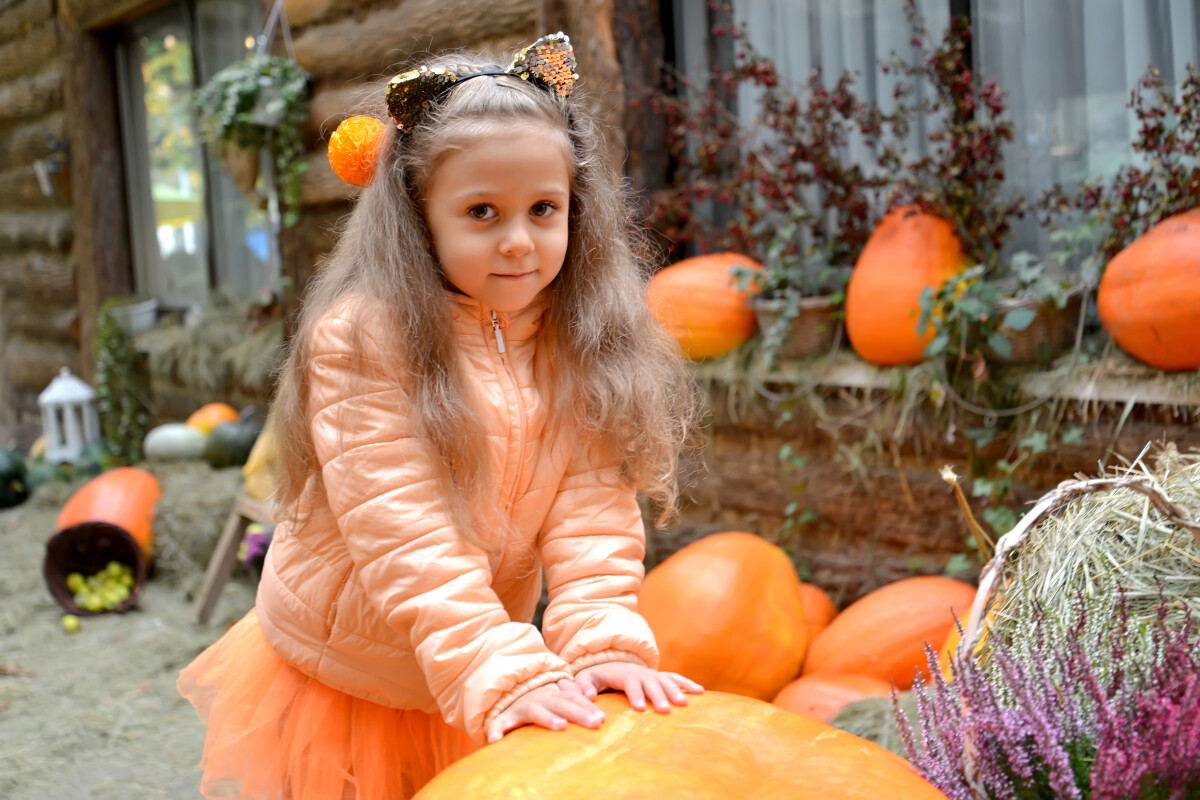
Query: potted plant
{"points": [[1030, 314], [259, 104], [800, 291], [1018, 308], [782, 189]]}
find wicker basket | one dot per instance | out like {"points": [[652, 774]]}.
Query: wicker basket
{"points": [[1051, 333], [813, 331], [87, 548]]}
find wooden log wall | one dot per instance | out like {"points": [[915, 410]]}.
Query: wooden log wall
{"points": [[38, 309], [882, 510]]}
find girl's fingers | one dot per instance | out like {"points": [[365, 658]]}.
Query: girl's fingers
{"points": [[656, 696], [635, 695], [687, 684], [587, 686]]}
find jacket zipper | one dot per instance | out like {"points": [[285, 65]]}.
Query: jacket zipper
{"points": [[512, 379]]}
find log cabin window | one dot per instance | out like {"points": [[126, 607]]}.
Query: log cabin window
{"points": [[193, 232]]}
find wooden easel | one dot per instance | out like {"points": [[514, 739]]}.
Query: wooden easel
{"points": [[245, 510]]}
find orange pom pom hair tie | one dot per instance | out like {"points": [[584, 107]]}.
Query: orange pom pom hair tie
{"points": [[354, 146], [354, 149]]}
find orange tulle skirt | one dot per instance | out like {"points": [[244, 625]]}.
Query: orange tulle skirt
{"points": [[277, 734]]}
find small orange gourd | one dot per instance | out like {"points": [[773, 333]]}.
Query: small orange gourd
{"points": [[822, 696], [1149, 296], [211, 415], [908, 251], [727, 612], [698, 301], [884, 633], [717, 746], [819, 609]]}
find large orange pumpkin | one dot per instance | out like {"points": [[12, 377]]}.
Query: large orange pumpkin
{"points": [[907, 252], [1149, 296], [824, 695], [718, 746], [699, 302], [884, 633], [727, 612]]}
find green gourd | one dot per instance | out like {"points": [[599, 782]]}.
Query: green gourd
{"points": [[13, 489]]}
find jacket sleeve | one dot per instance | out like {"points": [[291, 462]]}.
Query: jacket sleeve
{"points": [[592, 546], [381, 481]]}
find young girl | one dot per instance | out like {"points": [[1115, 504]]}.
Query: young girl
{"points": [[475, 394]]}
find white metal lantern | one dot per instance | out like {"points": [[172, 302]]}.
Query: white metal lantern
{"points": [[69, 418]]}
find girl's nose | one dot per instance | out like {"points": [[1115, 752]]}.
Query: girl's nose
{"points": [[516, 241]]}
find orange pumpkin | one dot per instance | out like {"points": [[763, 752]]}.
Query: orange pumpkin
{"points": [[819, 609], [907, 252], [211, 415], [718, 746], [727, 612], [1149, 296], [884, 633], [699, 302], [824, 695]]}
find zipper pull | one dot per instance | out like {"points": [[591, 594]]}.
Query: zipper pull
{"points": [[499, 334]]}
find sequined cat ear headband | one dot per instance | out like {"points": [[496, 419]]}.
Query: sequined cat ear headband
{"points": [[354, 146]]}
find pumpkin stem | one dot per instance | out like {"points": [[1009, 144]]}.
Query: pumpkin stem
{"points": [[982, 541]]}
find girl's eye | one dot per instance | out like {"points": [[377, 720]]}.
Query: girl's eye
{"points": [[480, 212], [542, 209]]}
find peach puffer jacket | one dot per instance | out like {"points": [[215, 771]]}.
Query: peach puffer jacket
{"points": [[377, 595]]}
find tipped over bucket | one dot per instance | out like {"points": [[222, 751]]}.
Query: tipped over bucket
{"points": [[109, 519]]}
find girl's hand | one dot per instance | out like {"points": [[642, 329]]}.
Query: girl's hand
{"points": [[551, 706], [638, 683]]}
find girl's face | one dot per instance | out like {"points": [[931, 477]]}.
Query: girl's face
{"points": [[498, 211]]}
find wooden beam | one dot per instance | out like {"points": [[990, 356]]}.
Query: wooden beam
{"points": [[102, 247], [373, 43], [641, 50], [32, 96], [40, 321], [26, 53], [50, 230], [19, 19], [23, 191], [31, 364], [94, 15], [37, 139], [38, 275], [589, 23]]}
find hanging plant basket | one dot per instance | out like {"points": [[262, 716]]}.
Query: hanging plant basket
{"points": [[259, 103], [241, 165]]}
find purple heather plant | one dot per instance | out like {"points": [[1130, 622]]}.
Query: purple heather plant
{"points": [[1092, 709]]}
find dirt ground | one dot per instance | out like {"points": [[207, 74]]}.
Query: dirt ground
{"points": [[94, 715]]}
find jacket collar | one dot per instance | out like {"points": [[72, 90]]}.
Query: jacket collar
{"points": [[471, 316]]}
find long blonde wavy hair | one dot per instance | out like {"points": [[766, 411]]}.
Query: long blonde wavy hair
{"points": [[619, 376]]}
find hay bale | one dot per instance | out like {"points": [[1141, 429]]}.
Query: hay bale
{"points": [[1132, 532], [189, 517]]}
